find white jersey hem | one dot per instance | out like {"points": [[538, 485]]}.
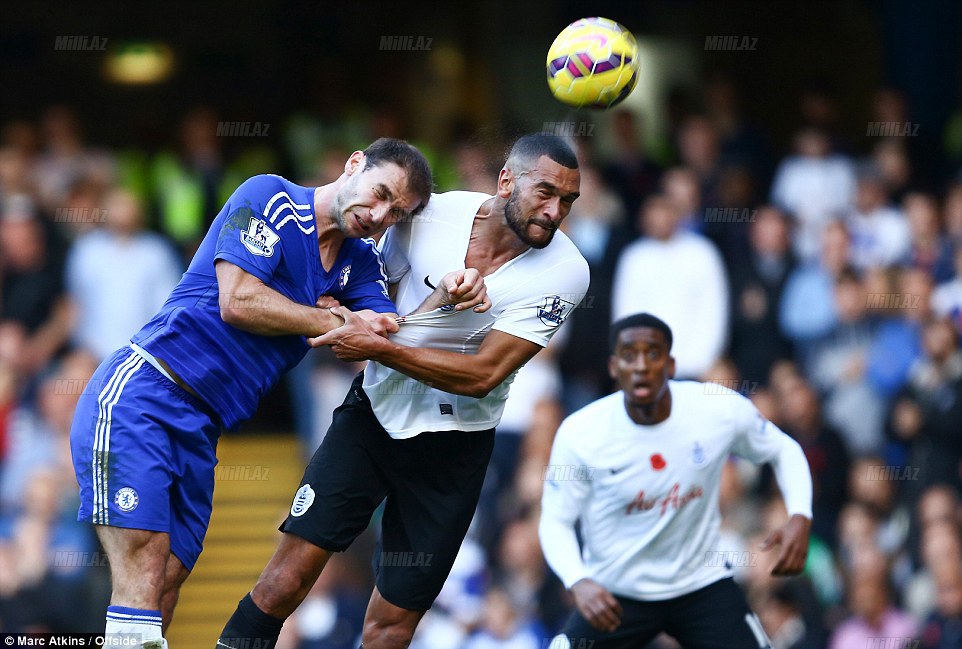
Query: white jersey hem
{"points": [[473, 427], [671, 594]]}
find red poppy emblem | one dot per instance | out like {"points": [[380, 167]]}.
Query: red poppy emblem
{"points": [[658, 462]]}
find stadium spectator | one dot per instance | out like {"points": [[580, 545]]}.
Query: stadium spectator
{"points": [[873, 614], [807, 309], [740, 142], [332, 615], [736, 201], [898, 340], [930, 249], [33, 307], [952, 213], [819, 108], [66, 159], [927, 413], [189, 185], [45, 549], [505, 625], [596, 225], [700, 151], [533, 409], [837, 370], [680, 185], [22, 136], [858, 526], [947, 297], [872, 483], [756, 286], [889, 113], [827, 455], [459, 606], [476, 166], [15, 172], [816, 186], [679, 277], [943, 629], [628, 169], [939, 504], [892, 161], [523, 574], [941, 552], [82, 209], [880, 232], [118, 277]]}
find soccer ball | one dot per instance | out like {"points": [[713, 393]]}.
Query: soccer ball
{"points": [[593, 62]]}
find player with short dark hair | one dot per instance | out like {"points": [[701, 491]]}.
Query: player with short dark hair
{"points": [[651, 458], [391, 151], [417, 430], [635, 321], [145, 432]]}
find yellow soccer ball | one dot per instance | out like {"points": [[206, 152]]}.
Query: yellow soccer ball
{"points": [[593, 62]]}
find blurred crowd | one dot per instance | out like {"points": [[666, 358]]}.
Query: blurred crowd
{"points": [[821, 278]]}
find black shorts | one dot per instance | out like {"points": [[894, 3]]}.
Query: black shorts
{"points": [[714, 617], [431, 483]]}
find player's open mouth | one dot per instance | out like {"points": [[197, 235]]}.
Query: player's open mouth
{"points": [[360, 223], [642, 390]]}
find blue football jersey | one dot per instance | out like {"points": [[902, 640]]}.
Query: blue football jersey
{"points": [[268, 229]]}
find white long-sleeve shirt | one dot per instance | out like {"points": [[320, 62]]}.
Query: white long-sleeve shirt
{"points": [[815, 191], [647, 496], [880, 238], [682, 281]]}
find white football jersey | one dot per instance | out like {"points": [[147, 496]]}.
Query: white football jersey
{"points": [[647, 496], [531, 296]]}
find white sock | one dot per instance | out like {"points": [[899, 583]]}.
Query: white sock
{"points": [[143, 624]]}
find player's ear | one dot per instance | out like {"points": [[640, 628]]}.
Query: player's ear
{"points": [[505, 183], [671, 367], [354, 163], [613, 367]]}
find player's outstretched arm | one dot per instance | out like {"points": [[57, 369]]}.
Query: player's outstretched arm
{"points": [[463, 288], [471, 375], [795, 482], [760, 441], [248, 304], [562, 504]]}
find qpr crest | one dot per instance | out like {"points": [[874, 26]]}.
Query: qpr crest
{"points": [[259, 239], [303, 499], [554, 310], [698, 456]]}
